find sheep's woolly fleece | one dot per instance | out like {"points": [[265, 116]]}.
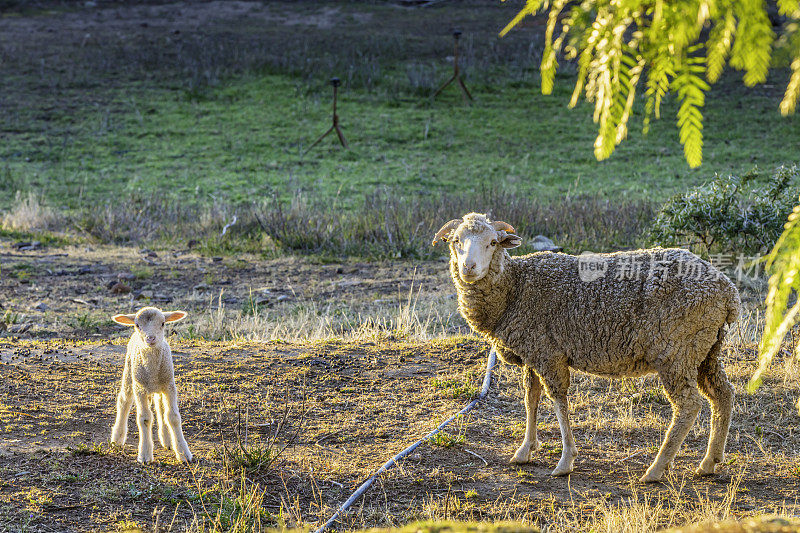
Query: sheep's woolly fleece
{"points": [[620, 314], [650, 310]]}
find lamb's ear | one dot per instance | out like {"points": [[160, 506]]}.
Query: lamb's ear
{"points": [[503, 226], [125, 320], [174, 316], [508, 240], [444, 233]]}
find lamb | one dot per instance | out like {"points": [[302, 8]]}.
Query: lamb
{"points": [[660, 311], [149, 374]]}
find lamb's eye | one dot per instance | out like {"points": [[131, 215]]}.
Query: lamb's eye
{"points": [[456, 240], [494, 243]]}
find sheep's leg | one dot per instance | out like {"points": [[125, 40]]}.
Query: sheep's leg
{"points": [[119, 433], [686, 403], [173, 418], [533, 388], [160, 404], [144, 419], [715, 386], [556, 382]]}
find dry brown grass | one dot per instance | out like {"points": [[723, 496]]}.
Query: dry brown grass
{"points": [[29, 214]]}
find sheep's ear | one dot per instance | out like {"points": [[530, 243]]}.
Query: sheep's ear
{"points": [[125, 320], [444, 233], [508, 240], [174, 316], [503, 226]]}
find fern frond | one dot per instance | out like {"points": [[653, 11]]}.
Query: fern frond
{"points": [[783, 263], [790, 97], [786, 7], [630, 84], [753, 45], [718, 46], [691, 87], [549, 63], [531, 7], [658, 81]]}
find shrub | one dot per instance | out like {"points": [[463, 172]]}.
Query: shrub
{"points": [[743, 213]]}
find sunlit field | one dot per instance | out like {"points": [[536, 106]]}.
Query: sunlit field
{"points": [[158, 154]]}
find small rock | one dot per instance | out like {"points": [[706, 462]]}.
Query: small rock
{"points": [[162, 298], [143, 294], [281, 298], [85, 269], [216, 259], [41, 306], [540, 243], [120, 288], [201, 287], [127, 276]]}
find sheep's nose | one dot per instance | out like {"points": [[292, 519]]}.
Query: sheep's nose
{"points": [[469, 266], [151, 339]]}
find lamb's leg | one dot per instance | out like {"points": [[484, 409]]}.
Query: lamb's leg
{"points": [[715, 386], [173, 418], [556, 383], [686, 403], [144, 419], [119, 433], [160, 404], [533, 388]]}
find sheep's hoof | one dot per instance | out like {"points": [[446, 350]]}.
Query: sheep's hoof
{"points": [[145, 460], [520, 458], [706, 468]]}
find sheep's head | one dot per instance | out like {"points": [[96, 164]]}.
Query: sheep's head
{"points": [[474, 240], [149, 323]]}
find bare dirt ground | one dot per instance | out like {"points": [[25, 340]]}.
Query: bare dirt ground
{"points": [[347, 406], [72, 292]]}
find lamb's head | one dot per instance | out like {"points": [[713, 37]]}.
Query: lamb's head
{"points": [[149, 322], [474, 240]]}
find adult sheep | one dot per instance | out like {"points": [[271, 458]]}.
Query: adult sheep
{"points": [[615, 315]]}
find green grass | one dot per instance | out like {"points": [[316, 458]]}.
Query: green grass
{"points": [[230, 122], [244, 141]]}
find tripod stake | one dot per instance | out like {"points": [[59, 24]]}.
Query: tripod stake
{"points": [[456, 72], [335, 127]]}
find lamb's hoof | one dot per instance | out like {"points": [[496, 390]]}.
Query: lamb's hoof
{"points": [[559, 471], [145, 460], [188, 459], [650, 477]]}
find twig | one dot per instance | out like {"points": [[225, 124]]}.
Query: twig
{"points": [[757, 443], [631, 456], [228, 225], [478, 456]]}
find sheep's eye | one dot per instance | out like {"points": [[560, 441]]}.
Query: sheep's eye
{"points": [[456, 240], [494, 243]]}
